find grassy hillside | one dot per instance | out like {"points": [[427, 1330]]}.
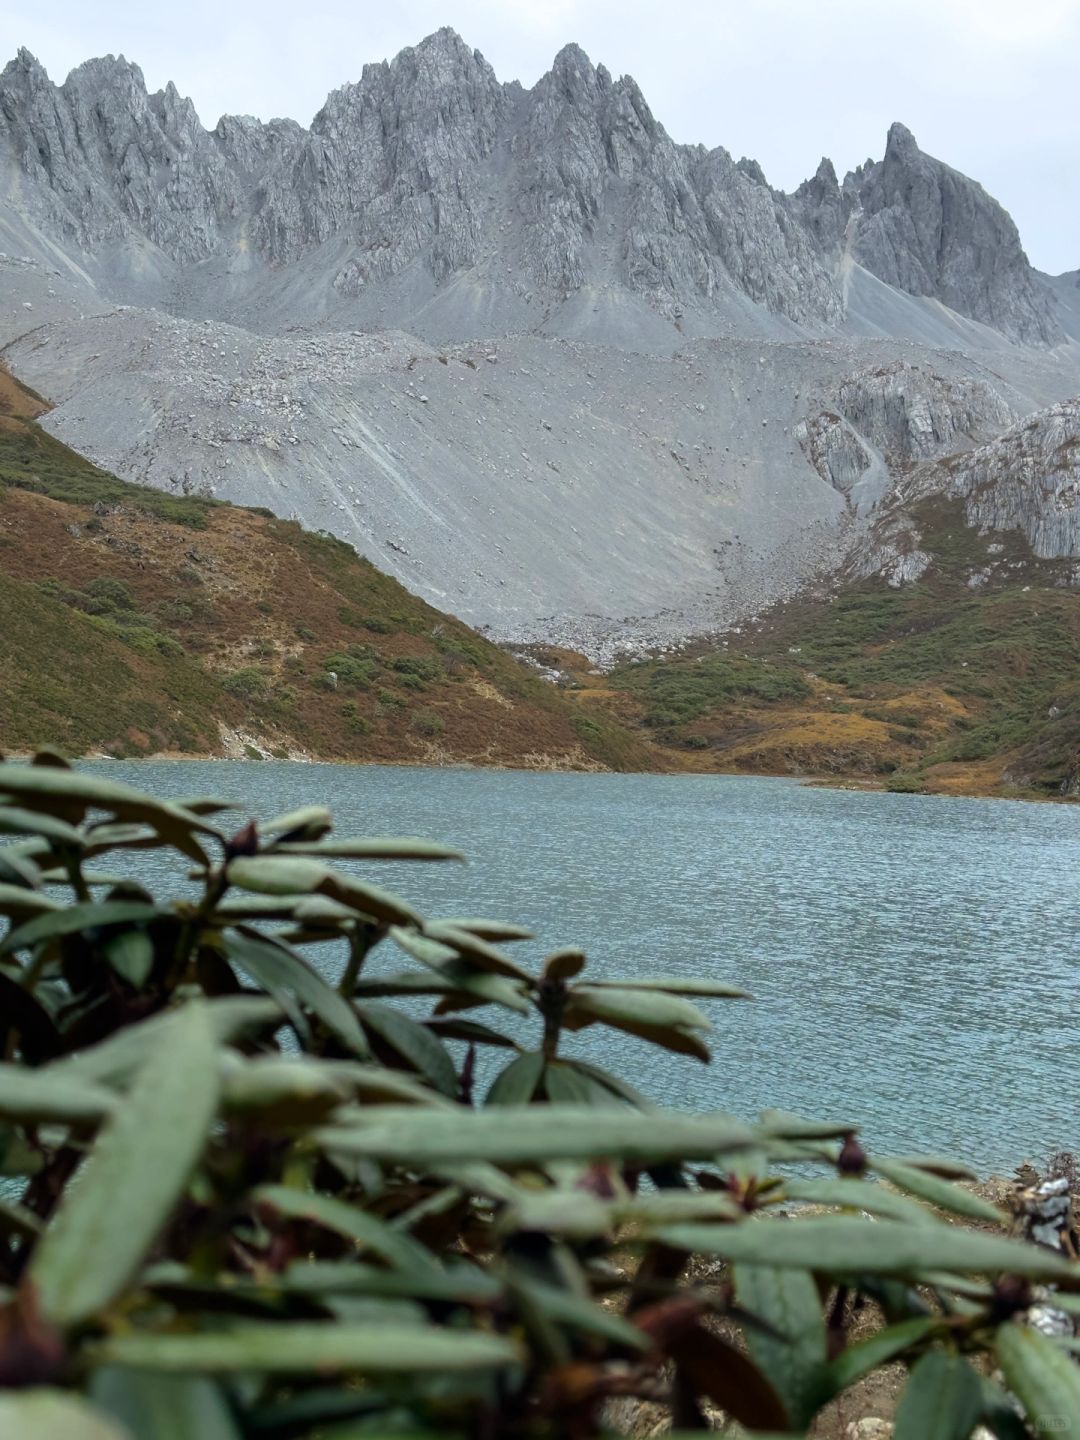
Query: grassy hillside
{"points": [[966, 682], [138, 622]]}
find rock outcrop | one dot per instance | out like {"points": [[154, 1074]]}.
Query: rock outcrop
{"points": [[880, 421], [1028, 480]]}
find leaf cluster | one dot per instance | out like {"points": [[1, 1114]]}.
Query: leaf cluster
{"points": [[252, 1189]]}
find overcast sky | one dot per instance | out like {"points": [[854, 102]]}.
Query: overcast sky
{"points": [[987, 85]]}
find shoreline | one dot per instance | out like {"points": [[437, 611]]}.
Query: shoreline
{"points": [[854, 784]]}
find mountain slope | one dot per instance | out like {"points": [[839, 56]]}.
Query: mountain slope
{"points": [[958, 675], [138, 622], [550, 370]]}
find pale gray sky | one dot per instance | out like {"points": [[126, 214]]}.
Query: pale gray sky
{"points": [[987, 85]]}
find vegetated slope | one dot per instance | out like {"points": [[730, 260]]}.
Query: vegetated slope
{"points": [[965, 682], [138, 622]]}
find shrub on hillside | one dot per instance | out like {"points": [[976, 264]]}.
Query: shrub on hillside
{"points": [[254, 1192]]}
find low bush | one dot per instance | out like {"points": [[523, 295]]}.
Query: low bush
{"points": [[253, 1191]]}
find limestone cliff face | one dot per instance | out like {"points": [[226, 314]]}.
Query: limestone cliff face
{"points": [[429, 162], [882, 420], [1028, 479], [102, 161]]}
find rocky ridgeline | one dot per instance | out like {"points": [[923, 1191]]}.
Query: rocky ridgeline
{"points": [[429, 161], [549, 369]]}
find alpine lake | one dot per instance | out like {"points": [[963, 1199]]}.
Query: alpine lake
{"points": [[914, 961]]}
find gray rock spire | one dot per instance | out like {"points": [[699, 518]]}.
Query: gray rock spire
{"points": [[929, 230]]}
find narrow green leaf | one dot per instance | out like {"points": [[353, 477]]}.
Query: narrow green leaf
{"points": [[19, 903], [456, 975], [479, 952], [846, 1245], [780, 1125], [463, 1282], [73, 919], [860, 1195], [494, 930], [618, 1087], [106, 836], [881, 1347], [301, 875], [281, 970], [376, 1082], [366, 1230], [937, 1165], [14, 821], [402, 982], [577, 1313], [1043, 1377], [517, 1082], [668, 1037], [574, 1212], [937, 1191], [792, 1355], [133, 1178], [564, 964], [642, 1006], [113, 1061], [131, 955], [311, 1348], [16, 1220], [664, 1020], [313, 821], [999, 1412], [205, 804], [942, 1400], [417, 1046], [40, 1095], [534, 1133], [473, 1032], [69, 789], [566, 1086], [375, 849], [277, 874], [167, 1407], [283, 1092], [675, 985], [54, 1415]]}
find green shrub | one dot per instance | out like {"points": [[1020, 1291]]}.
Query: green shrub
{"points": [[420, 668], [249, 1195], [905, 783], [247, 684], [358, 666], [428, 723]]}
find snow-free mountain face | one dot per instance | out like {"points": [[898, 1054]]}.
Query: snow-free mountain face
{"points": [[429, 174], [553, 370]]}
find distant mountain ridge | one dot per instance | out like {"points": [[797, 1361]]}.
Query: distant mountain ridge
{"points": [[553, 372], [429, 165]]}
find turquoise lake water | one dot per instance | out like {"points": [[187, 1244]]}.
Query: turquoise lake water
{"points": [[914, 960]]}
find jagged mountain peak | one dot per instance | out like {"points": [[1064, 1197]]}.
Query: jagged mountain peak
{"points": [[900, 141], [428, 166], [926, 229]]}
